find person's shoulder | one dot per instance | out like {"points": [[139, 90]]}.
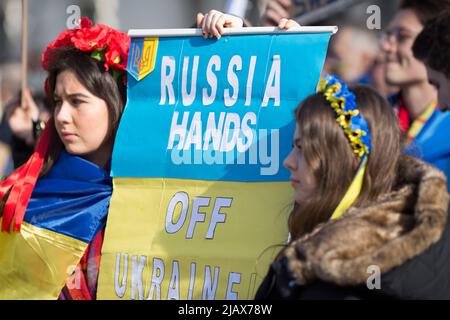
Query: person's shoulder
{"points": [[439, 126], [434, 136], [443, 118], [424, 276]]}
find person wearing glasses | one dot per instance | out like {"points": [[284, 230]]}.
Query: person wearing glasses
{"points": [[424, 125]]}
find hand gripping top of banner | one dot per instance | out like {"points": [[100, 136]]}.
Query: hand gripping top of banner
{"points": [[201, 199], [145, 42]]}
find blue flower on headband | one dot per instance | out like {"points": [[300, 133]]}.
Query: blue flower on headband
{"points": [[343, 102]]}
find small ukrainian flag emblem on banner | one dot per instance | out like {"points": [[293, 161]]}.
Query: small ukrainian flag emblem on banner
{"points": [[142, 57]]}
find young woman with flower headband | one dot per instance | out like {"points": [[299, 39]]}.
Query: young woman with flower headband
{"points": [[366, 225], [368, 222], [65, 185]]}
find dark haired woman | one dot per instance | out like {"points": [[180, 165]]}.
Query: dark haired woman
{"points": [[63, 214], [368, 221]]}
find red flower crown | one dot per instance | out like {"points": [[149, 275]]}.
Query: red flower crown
{"points": [[105, 44]]}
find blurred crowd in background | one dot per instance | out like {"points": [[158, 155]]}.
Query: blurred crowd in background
{"points": [[354, 54]]}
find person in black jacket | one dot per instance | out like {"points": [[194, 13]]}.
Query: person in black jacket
{"points": [[390, 240]]}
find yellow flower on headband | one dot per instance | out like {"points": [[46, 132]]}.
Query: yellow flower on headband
{"points": [[342, 101], [345, 119]]}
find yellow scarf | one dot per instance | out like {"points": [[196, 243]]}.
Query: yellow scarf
{"points": [[353, 191]]}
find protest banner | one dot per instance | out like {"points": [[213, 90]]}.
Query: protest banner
{"points": [[201, 198]]}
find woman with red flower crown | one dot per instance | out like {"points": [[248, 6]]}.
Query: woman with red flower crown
{"points": [[65, 186], [53, 209]]}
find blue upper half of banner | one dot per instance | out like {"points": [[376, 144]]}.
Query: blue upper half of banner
{"points": [[215, 109]]}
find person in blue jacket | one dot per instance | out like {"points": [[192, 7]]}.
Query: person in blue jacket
{"points": [[425, 126]]}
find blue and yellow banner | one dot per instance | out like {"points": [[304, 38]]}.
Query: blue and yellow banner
{"points": [[201, 197]]}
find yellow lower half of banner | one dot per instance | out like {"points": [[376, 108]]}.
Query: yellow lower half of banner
{"points": [[35, 263], [191, 239]]}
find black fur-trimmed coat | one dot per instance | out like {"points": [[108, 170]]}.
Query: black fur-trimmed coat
{"points": [[405, 234]]}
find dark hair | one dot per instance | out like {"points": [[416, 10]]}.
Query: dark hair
{"points": [[426, 9], [333, 162], [432, 45], [97, 81]]}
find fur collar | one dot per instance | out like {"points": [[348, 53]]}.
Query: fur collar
{"points": [[397, 227]]}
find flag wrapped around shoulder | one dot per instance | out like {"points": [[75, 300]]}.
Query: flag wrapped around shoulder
{"points": [[53, 221], [47, 223]]}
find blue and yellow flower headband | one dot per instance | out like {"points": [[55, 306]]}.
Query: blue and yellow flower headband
{"points": [[348, 116], [356, 129]]}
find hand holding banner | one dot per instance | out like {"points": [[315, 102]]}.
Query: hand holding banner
{"points": [[201, 199]]}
